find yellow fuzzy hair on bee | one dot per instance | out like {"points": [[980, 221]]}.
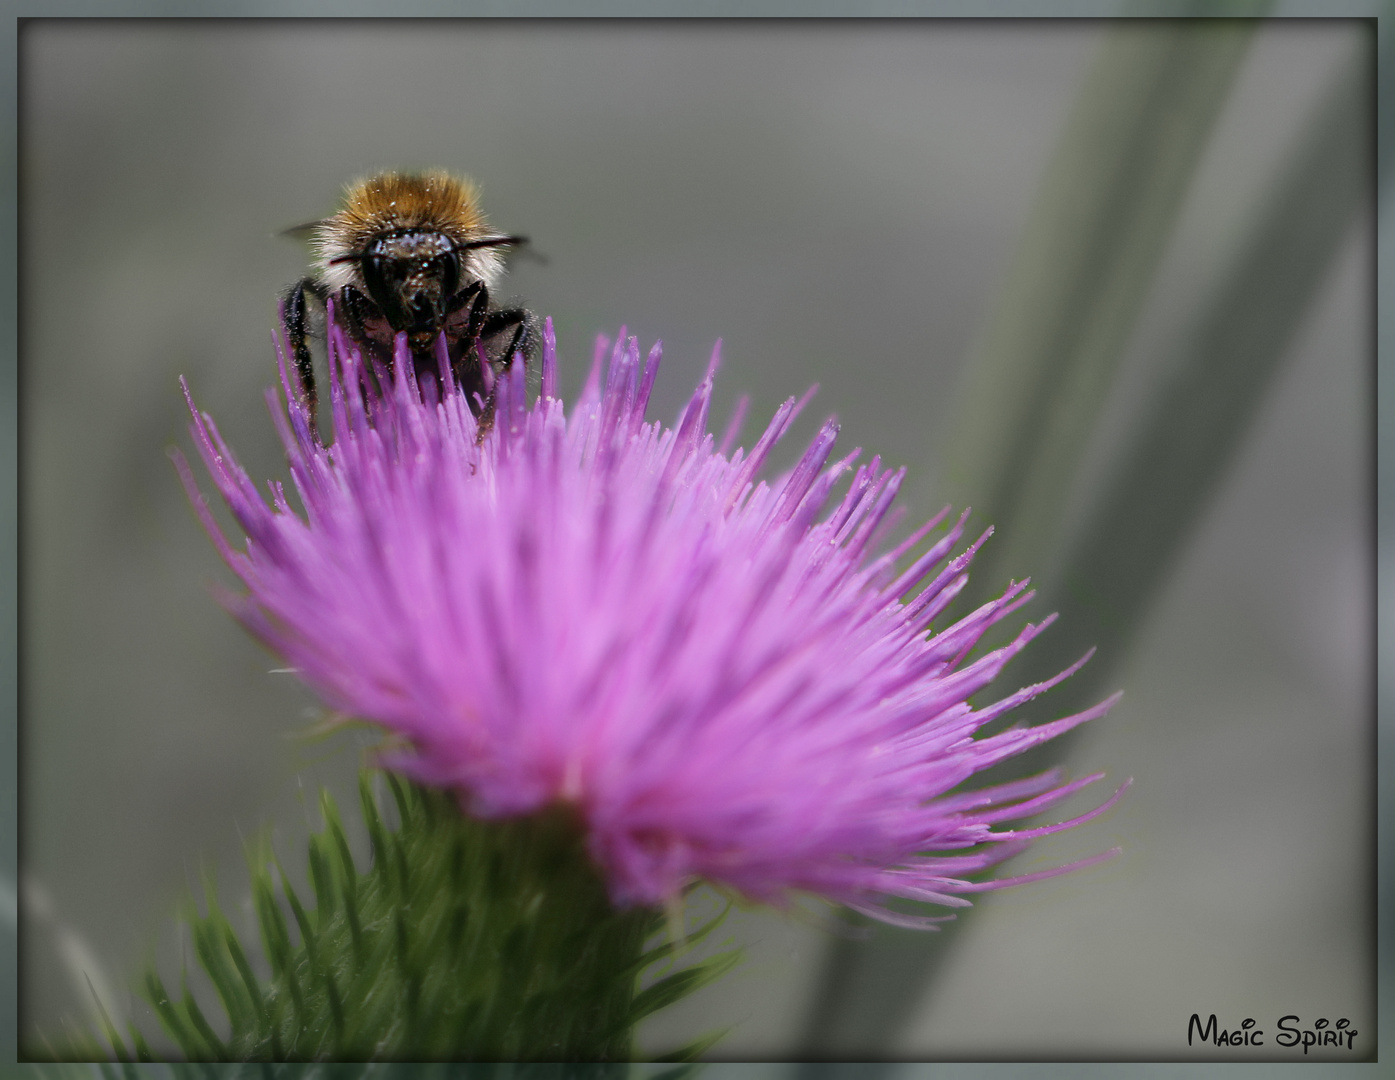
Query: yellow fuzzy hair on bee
{"points": [[391, 201]]}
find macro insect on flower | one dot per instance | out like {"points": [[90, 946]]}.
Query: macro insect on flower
{"points": [[410, 253], [719, 674]]}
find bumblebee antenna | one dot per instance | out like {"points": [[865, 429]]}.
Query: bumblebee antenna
{"points": [[493, 241]]}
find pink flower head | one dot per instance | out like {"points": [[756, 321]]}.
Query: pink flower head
{"points": [[716, 671]]}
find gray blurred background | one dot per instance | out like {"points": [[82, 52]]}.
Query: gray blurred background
{"points": [[838, 202]]}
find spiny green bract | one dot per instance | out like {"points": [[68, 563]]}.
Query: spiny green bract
{"points": [[466, 940]]}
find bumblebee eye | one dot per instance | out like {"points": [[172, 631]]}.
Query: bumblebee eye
{"points": [[374, 268], [449, 267]]}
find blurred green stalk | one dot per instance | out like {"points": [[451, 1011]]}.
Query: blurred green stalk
{"points": [[1088, 256], [1219, 373], [1092, 244]]}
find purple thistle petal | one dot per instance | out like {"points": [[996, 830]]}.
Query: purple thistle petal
{"points": [[549, 373], [651, 372], [592, 390], [733, 432], [716, 671]]}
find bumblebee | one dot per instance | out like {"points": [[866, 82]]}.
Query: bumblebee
{"points": [[410, 253]]}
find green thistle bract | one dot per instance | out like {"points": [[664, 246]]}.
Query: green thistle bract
{"points": [[464, 940]]}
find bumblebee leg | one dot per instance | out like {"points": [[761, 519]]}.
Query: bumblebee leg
{"points": [[462, 305], [354, 310], [507, 331], [366, 328], [475, 303], [477, 294], [503, 332], [296, 320], [463, 320]]}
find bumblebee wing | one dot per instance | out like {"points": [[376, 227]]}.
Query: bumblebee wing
{"points": [[525, 251], [301, 232]]}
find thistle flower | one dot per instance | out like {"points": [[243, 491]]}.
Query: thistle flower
{"points": [[719, 674]]}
